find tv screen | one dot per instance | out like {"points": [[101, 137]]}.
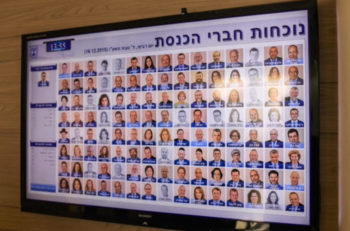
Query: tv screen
{"points": [[203, 116]]}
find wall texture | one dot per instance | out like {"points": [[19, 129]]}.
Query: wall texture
{"points": [[29, 16]]}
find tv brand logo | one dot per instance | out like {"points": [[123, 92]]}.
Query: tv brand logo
{"points": [[148, 216]]}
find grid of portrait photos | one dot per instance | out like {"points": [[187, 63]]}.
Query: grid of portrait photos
{"points": [[219, 127]]}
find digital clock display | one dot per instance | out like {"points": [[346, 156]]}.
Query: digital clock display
{"points": [[62, 45]]}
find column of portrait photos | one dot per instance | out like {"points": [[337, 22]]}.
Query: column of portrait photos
{"points": [[221, 127]]}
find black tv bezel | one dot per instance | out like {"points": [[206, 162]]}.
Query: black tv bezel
{"points": [[166, 220]]}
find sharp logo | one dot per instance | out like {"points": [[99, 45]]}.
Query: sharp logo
{"points": [[36, 36], [145, 216]]}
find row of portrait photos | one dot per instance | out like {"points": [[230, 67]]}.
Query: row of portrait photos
{"points": [[197, 138], [243, 117], [236, 98], [238, 77], [185, 194], [217, 59]]}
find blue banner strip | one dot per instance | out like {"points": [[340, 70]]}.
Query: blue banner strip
{"points": [[62, 45], [43, 187], [44, 68], [43, 144], [43, 105]]}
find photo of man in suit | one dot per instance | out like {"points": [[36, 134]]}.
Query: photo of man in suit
{"points": [[273, 142], [292, 99], [253, 58], [293, 55], [217, 101], [295, 205], [294, 182], [149, 121], [149, 104], [198, 63], [294, 139], [217, 161], [216, 138], [217, 63], [199, 141], [148, 193], [274, 59], [234, 59], [181, 65], [165, 122], [133, 194], [294, 119], [118, 84], [180, 140], [274, 160], [254, 161], [199, 82], [181, 195], [255, 180], [166, 102], [233, 199], [43, 81], [199, 179], [64, 71], [255, 121], [181, 84], [216, 194], [253, 139], [235, 179], [149, 86], [133, 83], [197, 119], [273, 179], [133, 104], [199, 101], [181, 160], [293, 76], [165, 64], [133, 68], [164, 84], [77, 72], [90, 69]]}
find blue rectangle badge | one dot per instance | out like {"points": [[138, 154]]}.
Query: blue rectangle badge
{"points": [[62, 45]]}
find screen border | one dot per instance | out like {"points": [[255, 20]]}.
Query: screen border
{"points": [[164, 220]]}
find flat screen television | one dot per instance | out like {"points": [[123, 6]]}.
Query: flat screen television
{"points": [[189, 121]]}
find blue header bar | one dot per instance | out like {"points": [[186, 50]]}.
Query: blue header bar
{"points": [[43, 187], [44, 68], [43, 105], [43, 144], [62, 45]]}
